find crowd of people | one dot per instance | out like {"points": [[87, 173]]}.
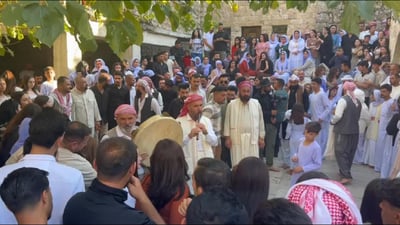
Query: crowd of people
{"points": [[67, 154]]}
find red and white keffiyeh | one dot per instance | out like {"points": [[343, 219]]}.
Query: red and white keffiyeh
{"points": [[325, 202]]}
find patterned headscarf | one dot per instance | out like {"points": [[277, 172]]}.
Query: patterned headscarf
{"points": [[325, 202], [143, 83], [349, 87], [190, 99]]}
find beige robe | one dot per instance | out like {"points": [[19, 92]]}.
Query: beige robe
{"points": [[244, 124]]}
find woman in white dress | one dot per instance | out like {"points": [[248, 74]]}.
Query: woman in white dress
{"points": [[296, 47]]}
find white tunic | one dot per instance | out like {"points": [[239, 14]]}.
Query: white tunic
{"points": [[84, 107], [244, 124], [197, 147]]}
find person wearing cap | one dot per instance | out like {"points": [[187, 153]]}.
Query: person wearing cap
{"points": [[125, 115], [244, 125], [345, 121], [390, 203], [212, 110], [198, 133], [84, 106], [268, 107]]}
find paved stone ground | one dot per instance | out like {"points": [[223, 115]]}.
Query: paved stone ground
{"points": [[362, 175]]}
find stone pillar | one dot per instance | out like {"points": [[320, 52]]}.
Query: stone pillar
{"points": [[394, 41], [66, 54], [132, 52]]}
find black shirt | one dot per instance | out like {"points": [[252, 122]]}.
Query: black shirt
{"points": [[117, 96], [102, 101], [102, 204], [175, 107], [221, 45]]}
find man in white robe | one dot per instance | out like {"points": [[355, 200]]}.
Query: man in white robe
{"points": [[198, 134], [84, 106], [384, 142], [244, 125]]}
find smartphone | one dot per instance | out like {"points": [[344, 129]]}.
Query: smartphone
{"points": [[172, 57]]}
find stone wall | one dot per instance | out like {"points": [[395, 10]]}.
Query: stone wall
{"points": [[316, 16]]}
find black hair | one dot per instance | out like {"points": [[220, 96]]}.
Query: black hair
{"points": [[183, 86], [168, 173], [169, 83], [61, 80], [313, 127], [377, 61], [114, 158], [240, 80], [232, 88], [217, 206], [312, 175], [346, 63], [118, 73], [281, 82], [391, 192], [388, 87], [23, 188], [82, 67], [218, 89], [46, 127], [250, 183], [370, 210], [280, 211], [317, 80], [211, 173], [76, 131]]}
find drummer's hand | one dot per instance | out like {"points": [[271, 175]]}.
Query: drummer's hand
{"points": [[203, 128], [228, 142], [194, 132], [183, 206]]}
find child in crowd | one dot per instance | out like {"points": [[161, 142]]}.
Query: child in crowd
{"points": [[308, 156], [295, 128]]}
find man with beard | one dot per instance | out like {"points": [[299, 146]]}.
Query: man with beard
{"points": [[167, 92], [62, 95], [145, 104], [84, 106], [244, 125], [176, 105], [118, 95], [101, 91], [295, 91], [198, 133], [125, 115]]}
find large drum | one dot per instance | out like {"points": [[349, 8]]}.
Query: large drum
{"points": [[154, 130]]}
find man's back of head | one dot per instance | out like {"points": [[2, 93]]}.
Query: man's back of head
{"points": [[114, 158], [280, 211], [216, 206], [210, 173], [27, 195], [75, 134], [45, 128]]}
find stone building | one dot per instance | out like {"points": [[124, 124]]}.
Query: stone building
{"points": [[65, 53]]}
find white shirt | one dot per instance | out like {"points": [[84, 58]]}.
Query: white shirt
{"points": [[209, 38], [47, 87], [132, 94], [84, 107], [119, 134], [64, 182]]}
